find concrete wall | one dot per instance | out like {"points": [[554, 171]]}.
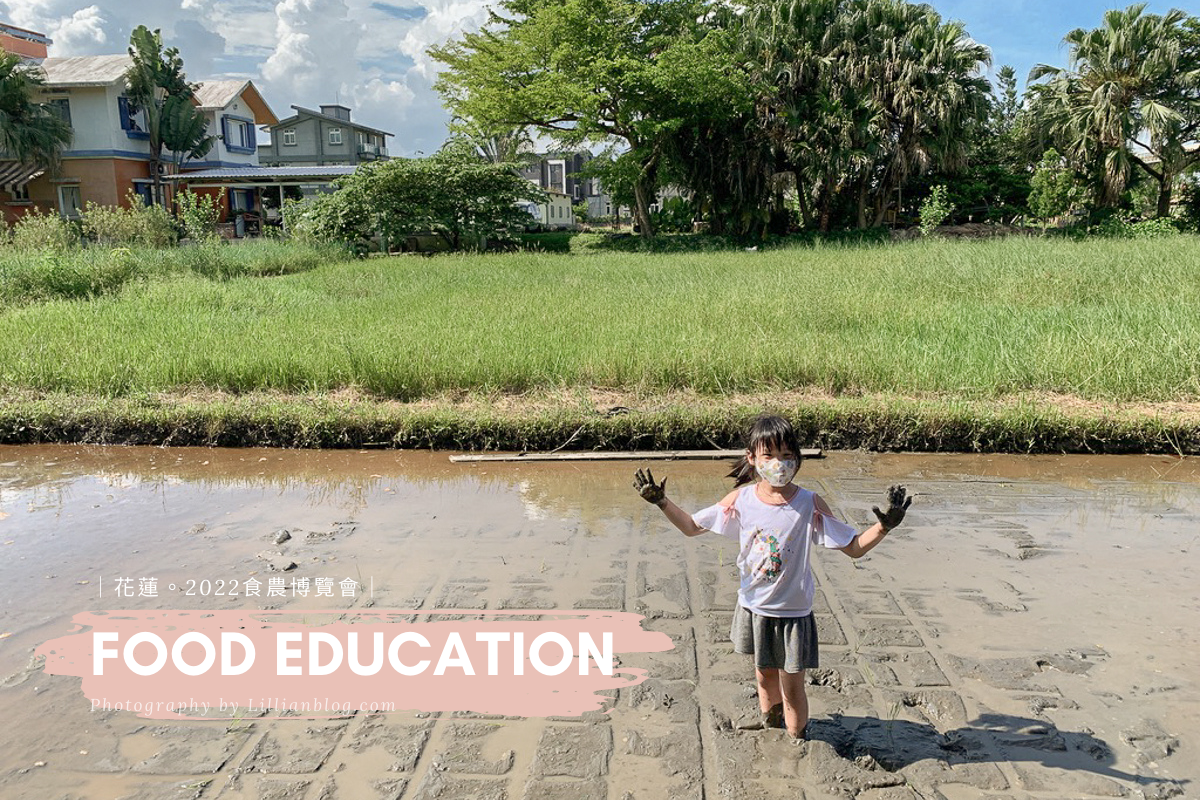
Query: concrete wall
{"points": [[21, 46]]}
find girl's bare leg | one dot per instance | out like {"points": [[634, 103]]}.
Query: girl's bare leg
{"points": [[770, 692], [795, 701]]}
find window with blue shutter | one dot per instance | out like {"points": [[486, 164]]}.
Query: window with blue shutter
{"points": [[239, 134], [129, 121]]}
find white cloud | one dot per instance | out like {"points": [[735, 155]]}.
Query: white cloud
{"points": [[302, 52], [380, 94], [69, 25], [83, 29], [445, 20], [315, 50]]}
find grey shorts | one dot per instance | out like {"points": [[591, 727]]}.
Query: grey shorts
{"points": [[786, 643]]}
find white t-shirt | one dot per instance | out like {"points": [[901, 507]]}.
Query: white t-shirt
{"points": [[773, 556]]}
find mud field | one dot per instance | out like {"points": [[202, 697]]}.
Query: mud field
{"points": [[1032, 631]]}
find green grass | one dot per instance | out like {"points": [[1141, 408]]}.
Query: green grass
{"points": [[33, 277], [1110, 320]]}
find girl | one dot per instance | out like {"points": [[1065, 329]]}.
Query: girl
{"points": [[774, 521]]}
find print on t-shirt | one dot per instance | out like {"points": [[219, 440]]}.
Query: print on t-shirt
{"points": [[764, 562]]}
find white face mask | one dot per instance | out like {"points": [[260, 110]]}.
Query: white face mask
{"points": [[778, 473]]}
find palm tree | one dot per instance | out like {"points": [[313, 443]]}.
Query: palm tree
{"points": [[864, 94], [158, 87], [30, 131], [497, 145], [1131, 96], [923, 77]]}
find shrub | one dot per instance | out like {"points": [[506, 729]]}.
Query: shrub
{"points": [[452, 193], [935, 209], [1122, 227], [139, 224], [1052, 189], [39, 230], [199, 214], [675, 216], [1190, 198]]}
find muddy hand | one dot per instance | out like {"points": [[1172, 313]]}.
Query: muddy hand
{"points": [[650, 491], [897, 505]]}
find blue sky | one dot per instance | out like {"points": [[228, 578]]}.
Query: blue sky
{"points": [[370, 54], [1024, 33]]}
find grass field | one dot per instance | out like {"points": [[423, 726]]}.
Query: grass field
{"points": [[925, 325], [32, 277], [1100, 319]]}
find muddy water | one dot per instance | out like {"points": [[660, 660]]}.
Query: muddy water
{"points": [[1032, 631]]}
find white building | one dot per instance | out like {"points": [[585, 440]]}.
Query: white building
{"points": [[555, 214]]}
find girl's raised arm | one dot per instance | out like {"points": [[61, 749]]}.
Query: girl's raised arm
{"points": [[656, 493]]}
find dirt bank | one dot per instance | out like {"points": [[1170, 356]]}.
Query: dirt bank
{"points": [[586, 419]]}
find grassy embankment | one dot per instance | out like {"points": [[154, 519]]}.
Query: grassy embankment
{"points": [[1020, 345]]}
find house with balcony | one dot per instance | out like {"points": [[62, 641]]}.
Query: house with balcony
{"points": [[109, 156], [15, 176], [235, 111], [322, 138], [560, 173]]}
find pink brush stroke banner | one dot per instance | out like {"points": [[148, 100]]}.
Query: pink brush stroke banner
{"points": [[295, 660]]}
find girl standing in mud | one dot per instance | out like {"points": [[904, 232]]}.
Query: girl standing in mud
{"points": [[774, 521]]}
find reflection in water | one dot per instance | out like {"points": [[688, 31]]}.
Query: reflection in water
{"points": [[44, 476]]}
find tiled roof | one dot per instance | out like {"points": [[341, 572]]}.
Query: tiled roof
{"points": [[218, 94], [329, 118], [85, 70], [265, 173]]}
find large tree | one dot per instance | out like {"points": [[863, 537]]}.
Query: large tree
{"points": [[157, 85], [593, 72], [862, 96], [30, 131], [1129, 97]]}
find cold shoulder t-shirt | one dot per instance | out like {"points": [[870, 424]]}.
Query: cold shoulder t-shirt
{"points": [[774, 547]]}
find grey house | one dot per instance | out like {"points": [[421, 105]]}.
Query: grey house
{"points": [[558, 172], [322, 138]]}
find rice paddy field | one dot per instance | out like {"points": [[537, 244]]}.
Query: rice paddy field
{"points": [[1094, 325]]}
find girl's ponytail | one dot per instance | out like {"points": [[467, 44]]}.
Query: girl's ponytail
{"points": [[742, 472]]}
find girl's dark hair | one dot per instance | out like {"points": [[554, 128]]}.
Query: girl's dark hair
{"points": [[767, 430]]}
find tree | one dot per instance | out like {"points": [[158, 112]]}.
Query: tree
{"points": [[454, 193], [1052, 188], [157, 85], [863, 95], [1130, 97], [994, 185], [497, 145], [1006, 104], [30, 131], [593, 71]]}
